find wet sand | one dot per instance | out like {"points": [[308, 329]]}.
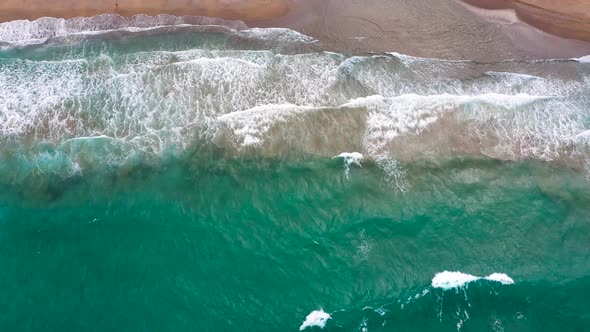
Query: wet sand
{"points": [[481, 30], [564, 18], [448, 29]]}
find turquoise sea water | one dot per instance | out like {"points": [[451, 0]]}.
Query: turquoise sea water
{"points": [[185, 179]]}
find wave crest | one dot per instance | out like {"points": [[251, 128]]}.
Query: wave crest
{"points": [[450, 280]]}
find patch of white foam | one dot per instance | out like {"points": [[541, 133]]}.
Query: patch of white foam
{"points": [[583, 136], [220, 61], [411, 114], [512, 75], [153, 109], [584, 59], [88, 138], [23, 32], [450, 280], [499, 99], [387, 119], [249, 127], [351, 158], [405, 58], [502, 278], [409, 59], [276, 34], [317, 318], [508, 101]]}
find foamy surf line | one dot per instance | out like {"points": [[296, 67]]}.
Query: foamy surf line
{"points": [[584, 59], [25, 32], [277, 104]]}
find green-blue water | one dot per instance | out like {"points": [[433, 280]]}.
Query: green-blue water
{"points": [[185, 181]]}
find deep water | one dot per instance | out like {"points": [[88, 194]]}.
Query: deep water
{"points": [[236, 244], [184, 179]]}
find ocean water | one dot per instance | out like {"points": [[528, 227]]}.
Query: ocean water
{"points": [[184, 174]]}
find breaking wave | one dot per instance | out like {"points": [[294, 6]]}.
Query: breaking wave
{"points": [[448, 300], [317, 318], [451, 280]]}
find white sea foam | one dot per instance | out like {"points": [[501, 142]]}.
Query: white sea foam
{"points": [[219, 61], [388, 118], [258, 101], [24, 32], [249, 127], [584, 59], [87, 138], [501, 278], [406, 58], [450, 280], [512, 75], [276, 35], [317, 318], [411, 114], [583, 136], [351, 158], [504, 100], [409, 59]]}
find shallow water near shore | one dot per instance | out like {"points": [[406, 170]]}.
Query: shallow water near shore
{"points": [[191, 178]]}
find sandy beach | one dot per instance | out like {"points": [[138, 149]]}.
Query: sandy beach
{"points": [[482, 30], [566, 18], [485, 31], [229, 9]]}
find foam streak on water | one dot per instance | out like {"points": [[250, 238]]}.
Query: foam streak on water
{"points": [[450, 280]]}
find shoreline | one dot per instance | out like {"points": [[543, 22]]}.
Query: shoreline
{"points": [[527, 36], [480, 30], [446, 29]]}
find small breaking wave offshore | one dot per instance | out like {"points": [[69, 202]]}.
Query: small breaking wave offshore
{"points": [[454, 299]]}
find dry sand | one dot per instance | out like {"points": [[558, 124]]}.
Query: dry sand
{"points": [[230, 9], [429, 28]]}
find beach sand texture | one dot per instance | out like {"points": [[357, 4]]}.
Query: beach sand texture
{"points": [[564, 18], [231, 9]]}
